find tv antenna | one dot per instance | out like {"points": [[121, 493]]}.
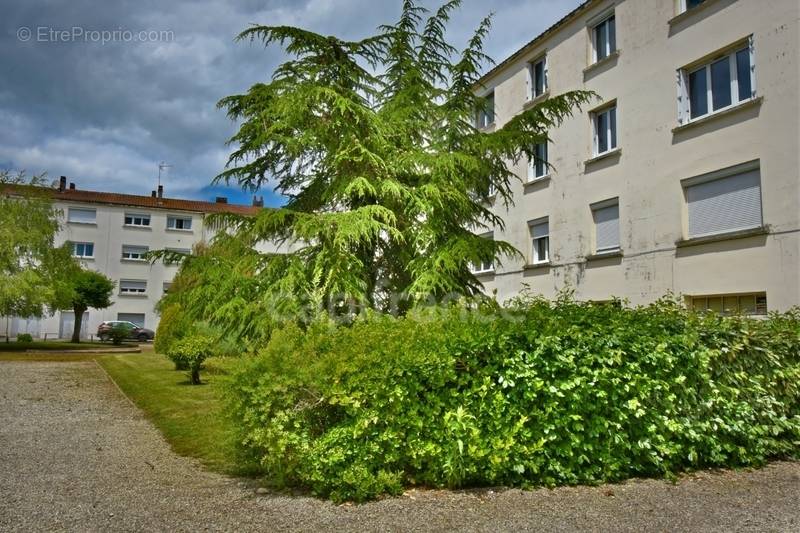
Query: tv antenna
{"points": [[162, 166]]}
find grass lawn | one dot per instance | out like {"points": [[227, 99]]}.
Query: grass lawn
{"points": [[56, 345], [189, 416]]}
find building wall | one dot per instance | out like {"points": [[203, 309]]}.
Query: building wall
{"points": [[108, 235], [646, 174]]}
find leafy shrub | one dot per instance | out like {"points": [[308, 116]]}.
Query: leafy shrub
{"points": [[24, 338], [190, 352], [172, 326], [119, 332], [539, 393]]}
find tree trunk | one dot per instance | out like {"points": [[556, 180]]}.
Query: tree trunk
{"points": [[195, 377], [76, 328]]}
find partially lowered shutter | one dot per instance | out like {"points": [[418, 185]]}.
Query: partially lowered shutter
{"points": [[723, 205], [606, 221]]}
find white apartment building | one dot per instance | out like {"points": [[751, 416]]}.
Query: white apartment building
{"points": [[109, 233], [683, 177]]}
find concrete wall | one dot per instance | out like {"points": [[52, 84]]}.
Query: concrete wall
{"points": [[646, 174]]}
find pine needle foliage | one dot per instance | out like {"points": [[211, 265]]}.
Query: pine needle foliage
{"points": [[375, 145]]}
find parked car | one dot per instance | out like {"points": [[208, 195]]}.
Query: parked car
{"points": [[136, 331]]}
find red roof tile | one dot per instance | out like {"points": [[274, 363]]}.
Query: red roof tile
{"points": [[133, 200]]}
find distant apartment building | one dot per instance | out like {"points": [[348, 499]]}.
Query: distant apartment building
{"points": [[110, 233], [683, 177]]}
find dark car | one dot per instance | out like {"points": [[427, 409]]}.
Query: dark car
{"points": [[136, 331]]}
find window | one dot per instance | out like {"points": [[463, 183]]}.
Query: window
{"points": [[745, 304], [179, 223], [725, 204], [184, 251], [135, 287], [134, 253], [538, 78], [686, 5], [133, 319], [83, 249], [82, 216], [132, 219], [537, 168], [604, 125], [484, 266], [485, 115], [166, 287], [604, 38], [718, 85], [606, 226], [540, 240]]}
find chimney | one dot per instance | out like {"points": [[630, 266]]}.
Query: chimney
{"points": [[222, 200], [258, 202], [62, 183], [160, 191], [72, 186], [153, 194]]}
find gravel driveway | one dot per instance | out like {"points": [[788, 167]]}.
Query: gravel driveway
{"points": [[76, 455]]}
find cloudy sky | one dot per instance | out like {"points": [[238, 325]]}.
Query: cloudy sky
{"points": [[106, 113]]}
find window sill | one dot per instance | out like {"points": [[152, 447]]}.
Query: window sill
{"points": [[134, 226], [616, 152], [130, 295], [176, 230], [82, 258], [126, 260], [81, 223], [731, 235], [613, 56], [689, 13], [746, 104], [536, 266], [536, 100], [484, 273], [611, 254], [536, 181]]}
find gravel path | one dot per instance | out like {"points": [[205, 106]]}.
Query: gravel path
{"points": [[76, 455]]}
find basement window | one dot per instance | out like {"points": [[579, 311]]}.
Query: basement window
{"points": [[732, 304]]}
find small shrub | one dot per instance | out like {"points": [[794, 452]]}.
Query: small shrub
{"points": [[119, 333], [190, 352], [539, 393], [24, 338]]}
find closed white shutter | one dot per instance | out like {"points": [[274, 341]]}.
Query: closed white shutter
{"points": [[82, 216], [606, 221], [540, 230], [724, 205]]}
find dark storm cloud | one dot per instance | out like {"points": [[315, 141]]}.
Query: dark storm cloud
{"points": [[105, 113]]}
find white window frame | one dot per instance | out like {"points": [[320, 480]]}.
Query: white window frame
{"points": [[532, 170], [611, 132], [482, 117], [599, 206], [684, 7], [533, 94], [175, 218], [133, 216], [486, 267], [75, 210], [684, 91], [131, 255], [535, 258], [84, 256], [132, 291], [604, 19]]}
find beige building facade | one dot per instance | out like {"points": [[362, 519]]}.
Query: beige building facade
{"points": [[681, 177]]}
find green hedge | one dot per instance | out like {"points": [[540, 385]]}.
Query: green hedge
{"points": [[538, 394]]}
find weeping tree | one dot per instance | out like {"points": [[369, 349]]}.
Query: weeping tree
{"points": [[375, 146]]}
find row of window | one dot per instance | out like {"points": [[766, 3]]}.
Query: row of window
{"points": [[719, 203], [85, 250], [712, 85], [138, 287], [77, 215]]}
